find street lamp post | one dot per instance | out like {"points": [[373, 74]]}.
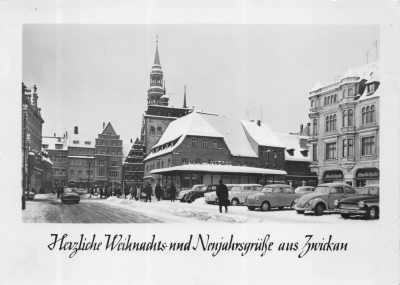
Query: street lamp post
{"points": [[25, 115]]}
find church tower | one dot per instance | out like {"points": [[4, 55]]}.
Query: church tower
{"points": [[156, 93]]}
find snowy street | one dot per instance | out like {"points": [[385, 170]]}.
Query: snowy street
{"points": [[49, 209]]}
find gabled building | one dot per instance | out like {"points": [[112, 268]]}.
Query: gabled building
{"points": [[133, 163], [344, 118], [57, 149]]}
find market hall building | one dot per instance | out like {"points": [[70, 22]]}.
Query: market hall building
{"points": [[344, 119]]}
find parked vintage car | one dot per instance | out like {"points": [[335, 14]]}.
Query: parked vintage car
{"points": [[272, 196], [70, 195], [195, 194], [239, 193], [211, 197], [29, 195], [304, 190], [323, 197], [81, 191], [365, 203], [181, 195]]}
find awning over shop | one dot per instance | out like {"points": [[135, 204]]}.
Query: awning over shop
{"points": [[147, 177], [226, 169]]}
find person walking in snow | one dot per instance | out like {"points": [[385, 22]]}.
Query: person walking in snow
{"points": [[223, 196], [158, 191], [149, 191], [101, 192], [138, 190], [132, 192], [172, 192]]}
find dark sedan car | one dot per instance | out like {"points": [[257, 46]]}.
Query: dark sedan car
{"points": [[366, 203], [70, 195]]}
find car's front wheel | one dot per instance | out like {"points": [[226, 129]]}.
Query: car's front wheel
{"points": [[235, 202], [372, 213], [265, 206], [319, 209], [193, 198], [345, 216]]}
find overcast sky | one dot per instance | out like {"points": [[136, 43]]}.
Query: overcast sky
{"points": [[90, 74]]}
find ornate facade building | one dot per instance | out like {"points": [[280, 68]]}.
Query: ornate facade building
{"points": [[36, 166], [344, 118], [133, 163]]}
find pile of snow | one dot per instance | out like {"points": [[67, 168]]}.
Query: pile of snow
{"points": [[199, 201], [43, 196], [211, 215]]}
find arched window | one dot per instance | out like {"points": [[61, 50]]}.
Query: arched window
{"points": [[344, 118], [350, 118], [327, 124], [329, 99], [350, 92], [331, 123], [372, 114], [344, 93], [368, 118], [334, 123], [315, 127], [334, 98], [312, 103], [363, 115]]}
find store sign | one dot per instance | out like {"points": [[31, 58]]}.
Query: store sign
{"points": [[369, 173], [335, 174]]}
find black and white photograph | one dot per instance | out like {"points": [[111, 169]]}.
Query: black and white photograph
{"points": [[200, 143]]}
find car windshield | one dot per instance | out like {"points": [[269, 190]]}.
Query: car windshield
{"points": [[230, 188], [267, 190], [300, 189], [322, 189], [204, 188], [369, 191]]}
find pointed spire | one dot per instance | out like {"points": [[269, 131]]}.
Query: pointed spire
{"points": [[184, 99], [157, 57], [349, 73]]}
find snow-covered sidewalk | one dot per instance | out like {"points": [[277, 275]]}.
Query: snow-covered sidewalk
{"points": [[199, 210]]}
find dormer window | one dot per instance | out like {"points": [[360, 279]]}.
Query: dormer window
{"points": [[59, 146], [290, 151], [87, 142], [371, 88], [45, 146], [304, 153], [75, 142]]}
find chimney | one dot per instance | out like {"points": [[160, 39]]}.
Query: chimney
{"points": [[259, 122], [54, 134], [301, 128], [75, 130], [35, 96], [131, 140], [66, 134], [104, 125]]}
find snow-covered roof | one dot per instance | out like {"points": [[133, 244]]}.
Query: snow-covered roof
{"points": [[52, 141], [374, 78], [80, 156], [349, 73], [78, 140], [262, 135], [316, 86], [292, 142], [209, 168], [47, 160]]}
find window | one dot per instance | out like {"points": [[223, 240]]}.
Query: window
{"points": [[79, 172], [336, 190], [344, 93], [75, 142], [252, 164], [325, 101], [169, 114], [198, 161], [330, 150], [220, 144], [364, 115], [350, 118], [193, 142], [152, 131], [62, 171], [371, 88], [114, 163], [71, 172], [204, 143], [159, 131], [184, 161], [87, 173], [368, 114], [315, 128], [345, 148], [101, 172], [101, 162], [368, 146], [56, 171], [162, 164], [59, 146], [88, 142], [315, 152], [289, 190], [372, 114], [215, 145], [45, 146], [330, 123], [350, 147], [327, 125], [312, 103], [147, 168], [350, 92], [334, 98], [349, 190], [344, 118]]}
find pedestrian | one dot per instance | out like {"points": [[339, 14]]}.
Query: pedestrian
{"points": [[158, 191], [101, 192], [132, 192], [126, 191], [109, 191], [223, 195], [138, 190], [148, 191], [91, 192], [172, 192], [58, 192]]}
